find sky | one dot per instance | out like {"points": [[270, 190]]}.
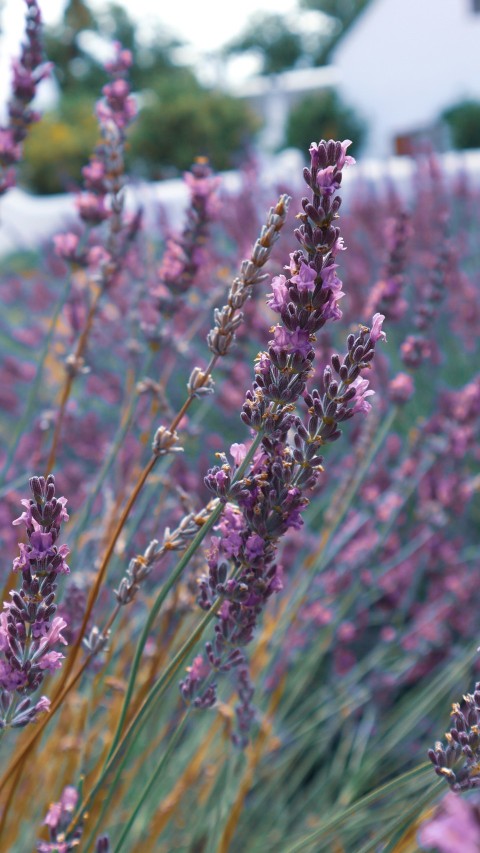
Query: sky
{"points": [[207, 24]]}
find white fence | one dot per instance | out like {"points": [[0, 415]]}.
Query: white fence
{"points": [[26, 221]]}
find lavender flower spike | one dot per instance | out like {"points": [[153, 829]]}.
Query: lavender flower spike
{"points": [[458, 761], [28, 71], [29, 629], [270, 499]]}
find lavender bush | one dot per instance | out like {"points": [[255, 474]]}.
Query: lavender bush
{"points": [[269, 448]]}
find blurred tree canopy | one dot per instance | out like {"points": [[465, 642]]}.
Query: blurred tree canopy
{"points": [[282, 42], [323, 114], [178, 119], [463, 121]]}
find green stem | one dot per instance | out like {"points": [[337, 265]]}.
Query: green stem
{"points": [[179, 568], [152, 781], [181, 565], [156, 692], [339, 817], [400, 826]]}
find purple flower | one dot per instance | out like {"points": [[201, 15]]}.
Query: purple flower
{"points": [[58, 819], [51, 661], [305, 278], [94, 176], [297, 341], [361, 393], [401, 388], [10, 151], [331, 310], [328, 180], [454, 827], [415, 350], [43, 705], [184, 253], [254, 546], [376, 333], [330, 278], [238, 453], [54, 634], [344, 158], [263, 363], [279, 298], [66, 246], [121, 62], [92, 208]]}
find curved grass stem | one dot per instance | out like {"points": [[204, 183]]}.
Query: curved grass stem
{"points": [[133, 730], [175, 739]]}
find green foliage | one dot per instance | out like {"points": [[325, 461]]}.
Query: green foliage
{"points": [[173, 130], [323, 115], [463, 121]]}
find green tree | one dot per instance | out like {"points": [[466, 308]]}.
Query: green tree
{"points": [[463, 121], [183, 121], [323, 115]]}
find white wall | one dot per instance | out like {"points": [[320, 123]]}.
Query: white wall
{"points": [[405, 61]]}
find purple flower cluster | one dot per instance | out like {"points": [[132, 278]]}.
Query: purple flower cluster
{"points": [[104, 173], [387, 294], [29, 629], [58, 819], [417, 348], [28, 71], [185, 254], [458, 762], [272, 495], [102, 198]]}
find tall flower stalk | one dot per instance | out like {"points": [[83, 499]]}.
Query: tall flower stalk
{"points": [[28, 72], [270, 498], [102, 200]]}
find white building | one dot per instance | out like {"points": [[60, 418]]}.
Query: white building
{"points": [[405, 61]]}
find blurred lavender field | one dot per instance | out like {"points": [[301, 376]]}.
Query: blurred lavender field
{"points": [[239, 445]]}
